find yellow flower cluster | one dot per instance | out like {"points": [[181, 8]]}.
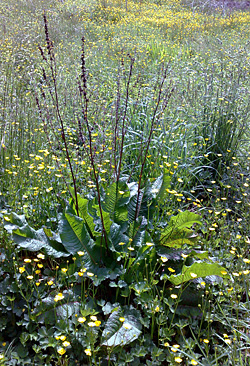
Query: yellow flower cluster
{"points": [[94, 323], [58, 297]]}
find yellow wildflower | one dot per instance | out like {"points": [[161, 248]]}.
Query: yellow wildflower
{"points": [[88, 352], [61, 351]]}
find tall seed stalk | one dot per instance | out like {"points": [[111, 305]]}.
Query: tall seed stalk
{"points": [[55, 100], [83, 94]]}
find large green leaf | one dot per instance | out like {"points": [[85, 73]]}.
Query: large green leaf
{"points": [[150, 195], [120, 333], [84, 213], [75, 236], [197, 270], [145, 247], [178, 239], [133, 187], [13, 221], [121, 214], [118, 239], [34, 240], [40, 241], [147, 200], [163, 184], [111, 199], [107, 222], [53, 239], [178, 231], [185, 219], [116, 200]]}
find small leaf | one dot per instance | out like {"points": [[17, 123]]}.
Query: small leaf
{"points": [[108, 308], [198, 254], [139, 287]]}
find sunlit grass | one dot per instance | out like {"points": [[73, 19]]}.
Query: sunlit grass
{"points": [[208, 56]]}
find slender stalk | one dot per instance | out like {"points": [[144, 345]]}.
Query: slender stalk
{"points": [[52, 65], [153, 122], [117, 117], [124, 118], [45, 128], [83, 92]]}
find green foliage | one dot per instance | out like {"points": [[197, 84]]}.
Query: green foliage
{"points": [[143, 237], [197, 270], [34, 240], [170, 265], [117, 333], [130, 263], [178, 232]]}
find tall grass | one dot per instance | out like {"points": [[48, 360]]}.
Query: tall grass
{"points": [[200, 137], [197, 66]]}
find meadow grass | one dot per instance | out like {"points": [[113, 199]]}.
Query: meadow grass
{"points": [[201, 140]]}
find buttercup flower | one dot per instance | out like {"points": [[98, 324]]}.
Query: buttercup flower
{"points": [[58, 297], [178, 359], [66, 344], [61, 351], [80, 253], [164, 259], [88, 352], [82, 319]]}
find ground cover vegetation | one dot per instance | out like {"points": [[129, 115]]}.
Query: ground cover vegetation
{"points": [[124, 183]]}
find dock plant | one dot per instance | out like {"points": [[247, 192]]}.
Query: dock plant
{"points": [[124, 183]]}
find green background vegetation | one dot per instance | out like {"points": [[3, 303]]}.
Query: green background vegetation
{"points": [[198, 156]]}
